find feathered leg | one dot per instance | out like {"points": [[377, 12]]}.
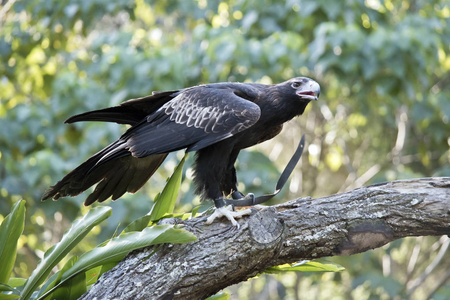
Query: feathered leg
{"points": [[213, 165]]}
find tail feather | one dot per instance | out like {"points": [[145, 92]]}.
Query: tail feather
{"points": [[126, 174], [106, 187], [115, 176], [114, 168], [123, 185]]}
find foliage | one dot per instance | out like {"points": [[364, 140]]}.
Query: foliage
{"points": [[80, 272], [57, 252], [219, 296], [10, 231], [306, 266], [165, 201], [383, 114]]}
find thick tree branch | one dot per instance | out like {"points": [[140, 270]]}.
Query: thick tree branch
{"points": [[341, 224]]}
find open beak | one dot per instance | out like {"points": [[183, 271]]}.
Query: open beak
{"points": [[309, 90]]}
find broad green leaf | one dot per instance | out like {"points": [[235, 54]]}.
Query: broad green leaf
{"points": [[71, 238], [306, 266], [54, 282], [120, 246], [165, 201], [72, 289], [13, 282], [138, 225], [92, 275], [10, 231], [114, 251], [50, 283], [56, 278], [16, 282]]}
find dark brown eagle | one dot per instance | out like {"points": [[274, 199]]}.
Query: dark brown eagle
{"points": [[216, 120]]}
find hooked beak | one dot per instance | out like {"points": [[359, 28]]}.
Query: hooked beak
{"points": [[309, 90]]}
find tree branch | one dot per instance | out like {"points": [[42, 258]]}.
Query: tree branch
{"points": [[341, 224]]}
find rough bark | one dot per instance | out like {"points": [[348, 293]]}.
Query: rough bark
{"points": [[340, 224]]}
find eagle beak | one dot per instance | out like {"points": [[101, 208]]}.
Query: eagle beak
{"points": [[309, 90]]}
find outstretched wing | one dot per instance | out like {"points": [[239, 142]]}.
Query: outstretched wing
{"points": [[194, 119]]}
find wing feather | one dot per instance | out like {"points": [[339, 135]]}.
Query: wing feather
{"points": [[193, 119], [129, 112]]}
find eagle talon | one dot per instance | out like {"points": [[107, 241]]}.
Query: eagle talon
{"points": [[227, 211]]}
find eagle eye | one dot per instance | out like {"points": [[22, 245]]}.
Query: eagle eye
{"points": [[295, 84]]}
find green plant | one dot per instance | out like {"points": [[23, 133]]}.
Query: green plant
{"points": [[78, 273]]}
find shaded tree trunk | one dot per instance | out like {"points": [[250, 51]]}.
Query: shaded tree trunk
{"points": [[341, 224]]}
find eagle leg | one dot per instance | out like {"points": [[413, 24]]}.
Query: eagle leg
{"points": [[227, 211]]}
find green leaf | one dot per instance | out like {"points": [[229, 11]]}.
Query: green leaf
{"points": [[94, 274], [56, 278], [5, 287], [120, 246], [13, 282], [219, 296], [114, 251], [306, 266], [16, 282], [70, 239], [72, 289], [194, 211], [51, 282], [10, 231], [8, 296], [138, 225], [165, 201]]}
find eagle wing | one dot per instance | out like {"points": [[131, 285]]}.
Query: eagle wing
{"points": [[129, 112], [194, 119]]}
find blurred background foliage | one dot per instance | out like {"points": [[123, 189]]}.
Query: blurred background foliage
{"points": [[384, 112]]}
